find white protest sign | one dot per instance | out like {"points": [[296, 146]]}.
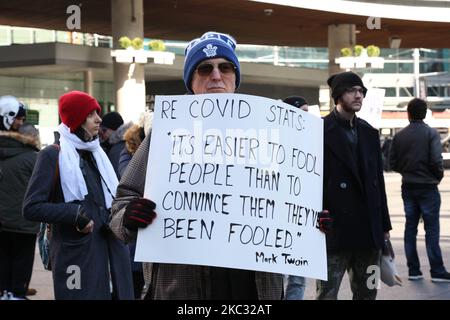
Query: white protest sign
{"points": [[372, 107], [237, 182], [314, 110]]}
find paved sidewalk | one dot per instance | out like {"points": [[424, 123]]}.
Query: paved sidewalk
{"points": [[411, 290]]}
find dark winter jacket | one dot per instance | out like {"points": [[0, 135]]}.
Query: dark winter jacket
{"points": [[416, 153], [353, 189], [17, 157], [97, 254], [124, 159]]}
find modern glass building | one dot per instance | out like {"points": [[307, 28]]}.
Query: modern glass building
{"points": [[39, 81]]}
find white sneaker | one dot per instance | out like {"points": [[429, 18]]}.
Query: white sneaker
{"points": [[445, 277], [4, 296]]}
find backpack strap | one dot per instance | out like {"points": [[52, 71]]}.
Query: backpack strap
{"points": [[46, 228], [52, 197]]}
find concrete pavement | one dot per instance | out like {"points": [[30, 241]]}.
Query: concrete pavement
{"points": [[411, 290]]}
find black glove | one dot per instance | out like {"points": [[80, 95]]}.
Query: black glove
{"points": [[82, 219], [326, 221], [139, 213]]}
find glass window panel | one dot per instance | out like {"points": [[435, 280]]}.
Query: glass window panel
{"points": [[22, 35], [42, 35]]}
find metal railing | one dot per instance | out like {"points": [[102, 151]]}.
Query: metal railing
{"points": [[306, 57]]}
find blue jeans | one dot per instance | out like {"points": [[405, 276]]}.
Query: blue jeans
{"points": [[295, 289], [425, 203]]}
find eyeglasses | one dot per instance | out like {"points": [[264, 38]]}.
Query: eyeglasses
{"points": [[205, 69], [355, 90]]}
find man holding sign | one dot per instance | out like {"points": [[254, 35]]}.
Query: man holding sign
{"points": [[211, 66]]}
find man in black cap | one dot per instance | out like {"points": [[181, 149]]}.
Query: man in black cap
{"points": [[354, 192], [297, 101], [110, 123], [112, 130]]}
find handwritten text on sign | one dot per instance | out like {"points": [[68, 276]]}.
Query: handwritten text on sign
{"points": [[237, 180]]}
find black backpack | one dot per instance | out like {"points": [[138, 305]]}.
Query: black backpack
{"points": [[44, 235]]}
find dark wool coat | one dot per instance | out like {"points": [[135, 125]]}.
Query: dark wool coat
{"points": [[354, 193], [97, 254], [17, 157], [174, 281], [116, 144]]}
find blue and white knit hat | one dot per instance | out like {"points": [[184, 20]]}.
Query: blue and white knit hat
{"points": [[209, 46]]}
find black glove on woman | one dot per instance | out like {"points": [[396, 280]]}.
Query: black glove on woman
{"points": [[82, 219]]}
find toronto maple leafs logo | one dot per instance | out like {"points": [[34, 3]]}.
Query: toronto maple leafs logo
{"points": [[210, 51]]}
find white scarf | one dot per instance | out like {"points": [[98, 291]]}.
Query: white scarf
{"points": [[72, 180]]}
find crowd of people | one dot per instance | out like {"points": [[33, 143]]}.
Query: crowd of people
{"points": [[88, 187]]}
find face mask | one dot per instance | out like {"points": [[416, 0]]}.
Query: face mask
{"points": [[9, 106]]}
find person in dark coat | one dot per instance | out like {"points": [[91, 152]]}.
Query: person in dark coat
{"points": [[112, 131], [117, 143], [416, 153], [18, 152], [110, 123], [87, 260], [385, 153], [353, 192]]}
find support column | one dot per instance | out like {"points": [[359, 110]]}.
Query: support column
{"points": [[339, 36], [89, 82], [127, 19], [416, 59]]}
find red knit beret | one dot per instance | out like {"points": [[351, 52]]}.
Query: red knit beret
{"points": [[74, 107]]}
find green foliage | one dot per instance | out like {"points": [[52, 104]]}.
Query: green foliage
{"points": [[346, 52], [358, 50], [137, 43], [373, 51], [157, 45], [124, 42]]}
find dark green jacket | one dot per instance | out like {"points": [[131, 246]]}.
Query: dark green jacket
{"points": [[17, 157]]}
